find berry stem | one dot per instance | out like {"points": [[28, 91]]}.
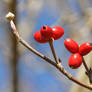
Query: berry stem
{"points": [[53, 50], [85, 65], [88, 71]]}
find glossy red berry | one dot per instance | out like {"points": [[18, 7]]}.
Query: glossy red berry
{"points": [[57, 32], [75, 60], [38, 37], [46, 32], [71, 45], [85, 48]]}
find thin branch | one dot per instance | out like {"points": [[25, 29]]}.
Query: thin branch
{"points": [[85, 65], [53, 51], [58, 66], [88, 71]]}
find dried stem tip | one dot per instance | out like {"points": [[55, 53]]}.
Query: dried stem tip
{"points": [[10, 16]]}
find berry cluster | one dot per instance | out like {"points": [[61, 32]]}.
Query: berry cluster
{"points": [[46, 33], [76, 58]]}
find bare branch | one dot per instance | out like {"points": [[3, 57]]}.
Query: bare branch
{"points": [[59, 67]]}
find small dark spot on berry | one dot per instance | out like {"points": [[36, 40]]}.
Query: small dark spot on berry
{"points": [[44, 27]]}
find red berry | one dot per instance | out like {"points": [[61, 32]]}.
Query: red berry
{"points": [[75, 60], [85, 48], [46, 32], [38, 37], [57, 32], [71, 45]]}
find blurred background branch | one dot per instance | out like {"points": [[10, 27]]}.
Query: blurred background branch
{"points": [[14, 49]]}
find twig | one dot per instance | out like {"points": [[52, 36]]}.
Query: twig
{"points": [[85, 65], [59, 67], [88, 71], [53, 51]]}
